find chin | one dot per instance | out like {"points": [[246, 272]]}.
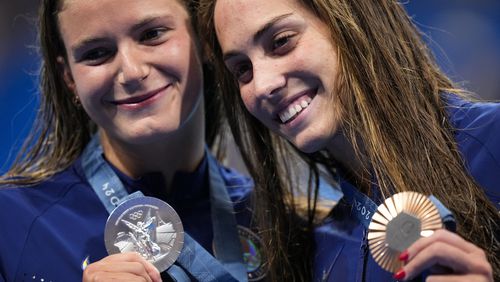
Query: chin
{"points": [[140, 139], [147, 136], [317, 139], [309, 146]]}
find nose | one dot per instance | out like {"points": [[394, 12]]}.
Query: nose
{"points": [[268, 78], [133, 68]]}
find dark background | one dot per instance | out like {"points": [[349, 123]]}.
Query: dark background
{"points": [[464, 35]]}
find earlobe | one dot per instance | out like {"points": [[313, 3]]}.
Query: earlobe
{"points": [[66, 73]]}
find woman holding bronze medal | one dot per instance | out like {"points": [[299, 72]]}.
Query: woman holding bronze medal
{"points": [[352, 87], [116, 181]]}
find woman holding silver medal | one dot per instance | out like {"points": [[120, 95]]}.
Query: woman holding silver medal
{"points": [[120, 132], [351, 85]]}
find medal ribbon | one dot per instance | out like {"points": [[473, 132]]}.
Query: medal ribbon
{"points": [[364, 207], [193, 257]]}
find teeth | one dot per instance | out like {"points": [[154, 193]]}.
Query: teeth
{"points": [[294, 109]]}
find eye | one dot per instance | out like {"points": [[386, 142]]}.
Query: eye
{"points": [[152, 35], [242, 72], [283, 42], [96, 56]]}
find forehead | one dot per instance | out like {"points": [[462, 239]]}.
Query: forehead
{"points": [[99, 3], [102, 14], [244, 17], [106, 5], [239, 10]]}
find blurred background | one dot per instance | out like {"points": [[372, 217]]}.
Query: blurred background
{"points": [[463, 34], [18, 68]]}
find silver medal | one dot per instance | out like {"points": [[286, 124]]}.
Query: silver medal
{"points": [[148, 226]]}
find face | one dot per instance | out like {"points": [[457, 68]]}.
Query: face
{"points": [[133, 65], [286, 67]]}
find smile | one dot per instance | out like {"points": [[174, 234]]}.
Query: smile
{"points": [[140, 100], [294, 109]]}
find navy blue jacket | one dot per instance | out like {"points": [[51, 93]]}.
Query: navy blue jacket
{"points": [[50, 231], [343, 255]]}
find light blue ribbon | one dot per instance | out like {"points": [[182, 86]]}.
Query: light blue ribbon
{"points": [[193, 258]]}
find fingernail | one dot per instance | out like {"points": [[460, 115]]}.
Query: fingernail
{"points": [[404, 256], [400, 274]]}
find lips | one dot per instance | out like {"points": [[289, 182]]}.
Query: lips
{"points": [[139, 98], [294, 109], [291, 108]]}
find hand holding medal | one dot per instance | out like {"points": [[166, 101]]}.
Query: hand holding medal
{"points": [[397, 226]]}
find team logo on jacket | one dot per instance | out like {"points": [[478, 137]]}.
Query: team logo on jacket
{"points": [[253, 257]]}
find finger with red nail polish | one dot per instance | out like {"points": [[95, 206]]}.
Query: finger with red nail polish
{"points": [[404, 256], [400, 274]]}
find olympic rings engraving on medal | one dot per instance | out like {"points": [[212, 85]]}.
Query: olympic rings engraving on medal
{"points": [[135, 215], [148, 226]]}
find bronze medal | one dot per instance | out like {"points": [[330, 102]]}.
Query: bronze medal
{"points": [[400, 221]]}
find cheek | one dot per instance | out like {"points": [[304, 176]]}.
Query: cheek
{"points": [[90, 97], [248, 101], [89, 83]]}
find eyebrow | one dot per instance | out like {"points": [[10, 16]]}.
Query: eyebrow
{"points": [[80, 46], [148, 20], [258, 35], [144, 22]]}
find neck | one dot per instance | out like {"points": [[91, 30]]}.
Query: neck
{"points": [[354, 163], [181, 150]]}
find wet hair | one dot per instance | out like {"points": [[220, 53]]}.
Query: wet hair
{"points": [[62, 128], [392, 97]]}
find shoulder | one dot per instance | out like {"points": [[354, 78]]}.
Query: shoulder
{"points": [[477, 128], [28, 202], [235, 181], [40, 195], [238, 185], [22, 207], [477, 133], [239, 188], [473, 117]]}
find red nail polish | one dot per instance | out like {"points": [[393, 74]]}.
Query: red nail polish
{"points": [[400, 274], [404, 256]]}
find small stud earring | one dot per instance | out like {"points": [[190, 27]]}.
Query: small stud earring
{"points": [[76, 101]]}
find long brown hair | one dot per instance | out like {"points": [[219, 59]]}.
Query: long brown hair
{"points": [[391, 96], [62, 128]]}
